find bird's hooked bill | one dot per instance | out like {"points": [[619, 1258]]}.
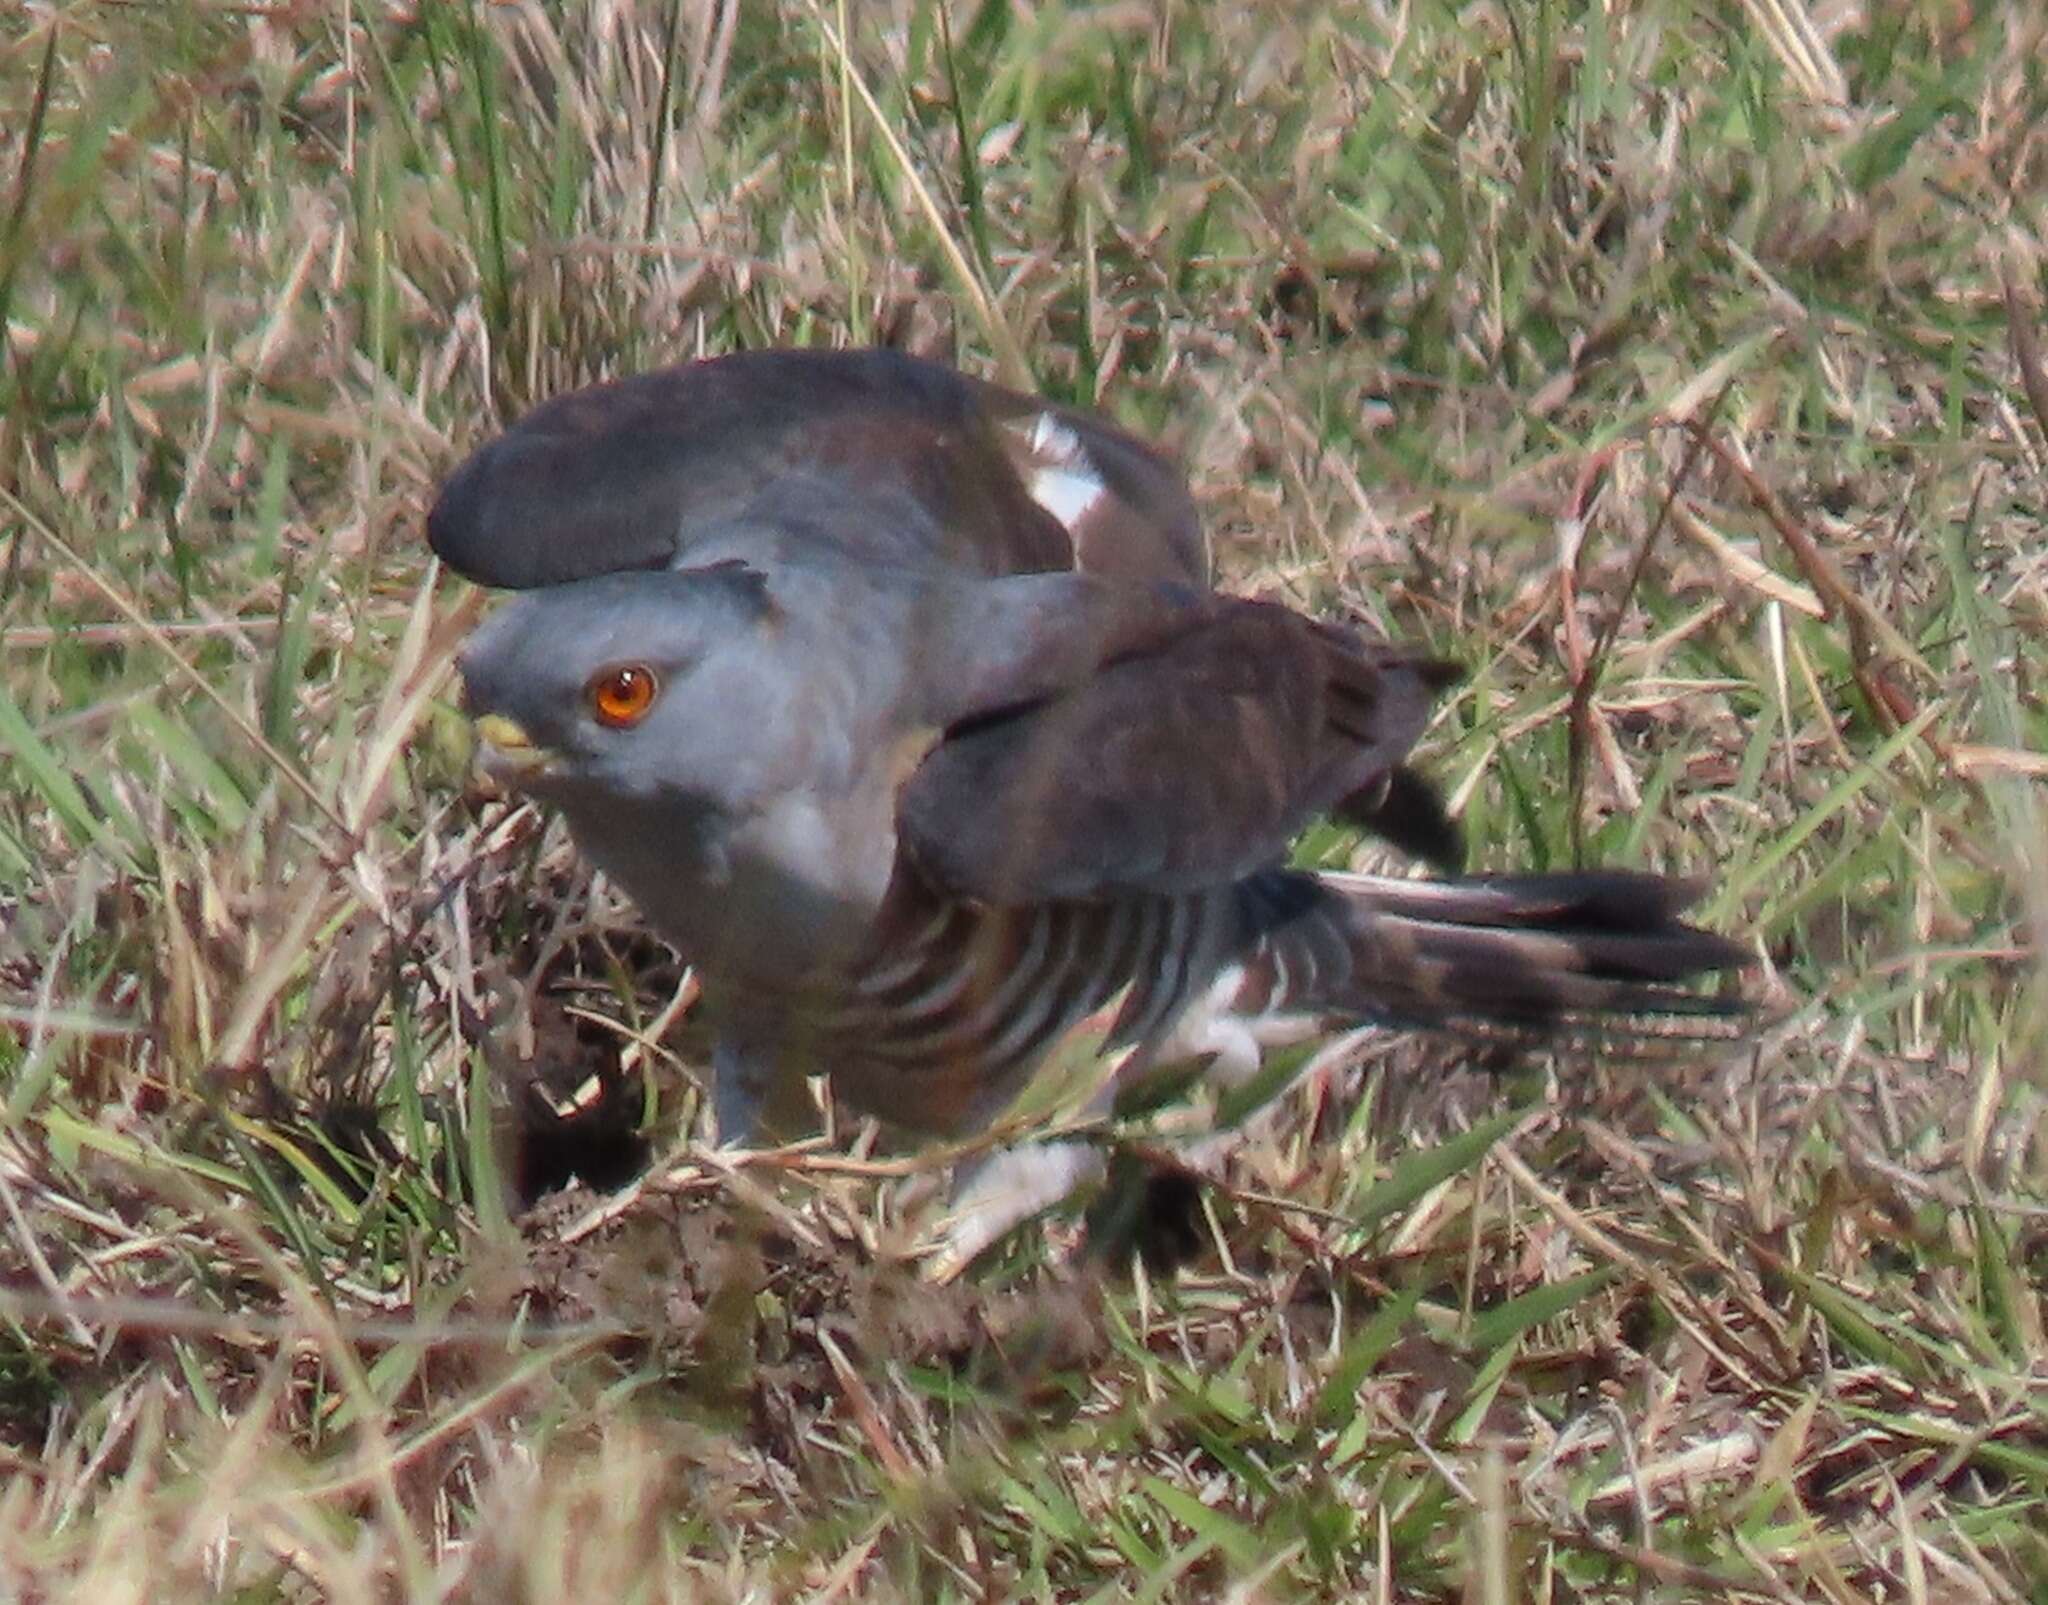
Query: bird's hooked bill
{"points": [[506, 749]]}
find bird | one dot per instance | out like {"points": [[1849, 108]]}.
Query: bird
{"points": [[902, 705], [951, 471]]}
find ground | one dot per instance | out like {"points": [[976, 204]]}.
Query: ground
{"points": [[1675, 365]]}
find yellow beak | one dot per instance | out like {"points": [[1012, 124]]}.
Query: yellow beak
{"points": [[507, 748]]}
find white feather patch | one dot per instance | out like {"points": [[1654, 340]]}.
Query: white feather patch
{"points": [[1064, 482]]}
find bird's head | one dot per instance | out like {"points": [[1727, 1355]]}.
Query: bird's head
{"points": [[645, 687]]}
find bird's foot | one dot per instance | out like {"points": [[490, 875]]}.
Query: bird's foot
{"points": [[1003, 1191]]}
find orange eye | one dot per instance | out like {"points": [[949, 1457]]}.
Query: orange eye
{"points": [[621, 697]]}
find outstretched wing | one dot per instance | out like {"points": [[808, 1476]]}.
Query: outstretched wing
{"points": [[1155, 747], [628, 475]]}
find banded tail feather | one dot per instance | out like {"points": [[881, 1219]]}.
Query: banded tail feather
{"points": [[949, 1019], [1597, 953], [1593, 959]]}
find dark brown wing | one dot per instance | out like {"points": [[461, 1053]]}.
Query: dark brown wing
{"points": [[1203, 736], [1407, 812], [1138, 522], [629, 474]]}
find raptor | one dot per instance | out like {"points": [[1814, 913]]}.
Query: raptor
{"points": [[902, 705]]}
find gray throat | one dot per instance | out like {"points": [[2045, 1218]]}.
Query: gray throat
{"points": [[760, 902]]}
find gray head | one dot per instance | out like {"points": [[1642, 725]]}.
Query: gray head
{"points": [[711, 735], [642, 687]]}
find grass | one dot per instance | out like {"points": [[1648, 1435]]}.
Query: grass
{"points": [[1676, 366]]}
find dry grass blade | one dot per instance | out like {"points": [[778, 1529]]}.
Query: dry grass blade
{"points": [[1015, 368], [284, 768], [1586, 730], [2022, 317], [1790, 28]]}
